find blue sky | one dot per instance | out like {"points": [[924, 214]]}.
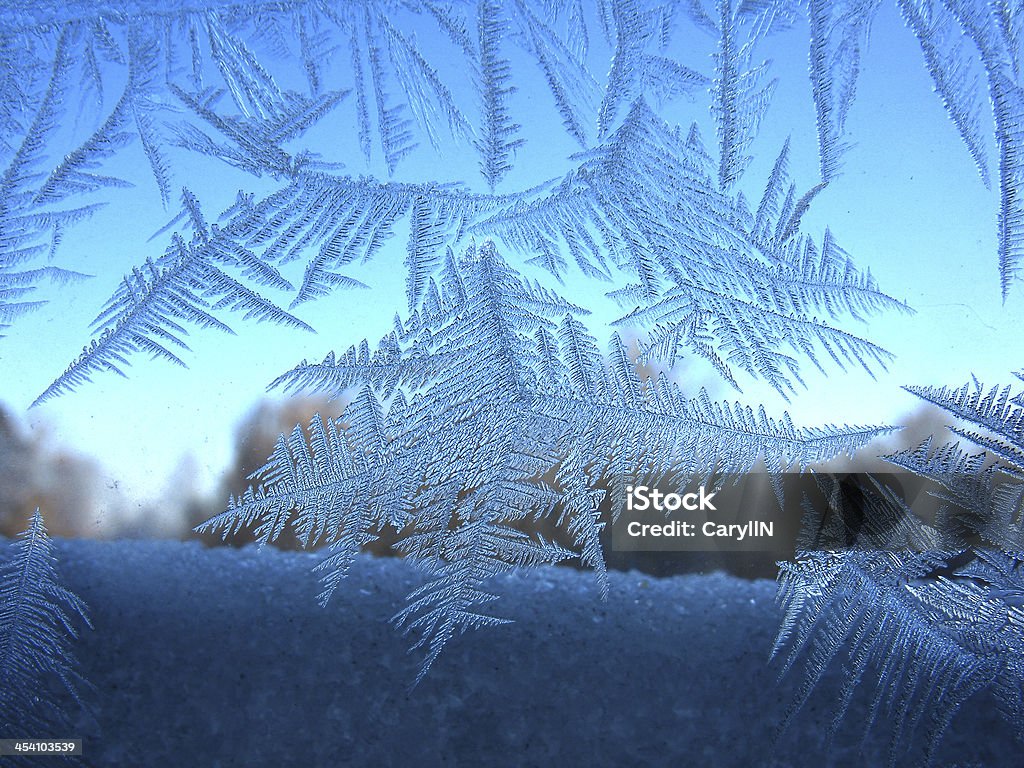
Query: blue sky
{"points": [[909, 205]]}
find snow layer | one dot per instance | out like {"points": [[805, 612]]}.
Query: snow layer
{"points": [[221, 657]]}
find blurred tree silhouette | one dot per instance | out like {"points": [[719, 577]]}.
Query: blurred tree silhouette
{"points": [[62, 484]]}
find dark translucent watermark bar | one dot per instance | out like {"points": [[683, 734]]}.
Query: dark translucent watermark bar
{"points": [[784, 512]]}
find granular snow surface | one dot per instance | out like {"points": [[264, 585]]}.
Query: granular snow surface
{"points": [[222, 657]]}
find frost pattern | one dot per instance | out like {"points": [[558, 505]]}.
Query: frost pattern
{"points": [[492, 402], [199, 56], [934, 611], [466, 411], [184, 286], [39, 619], [994, 55]]}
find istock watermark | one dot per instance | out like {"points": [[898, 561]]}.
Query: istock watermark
{"points": [[774, 513], [642, 498], [727, 516]]}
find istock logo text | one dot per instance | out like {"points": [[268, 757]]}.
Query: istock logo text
{"points": [[641, 498]]}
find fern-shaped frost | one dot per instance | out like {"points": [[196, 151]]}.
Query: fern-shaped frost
{"points": [[187, 285], [932, 620], [498, 137], [462, 411], [39, 620]]}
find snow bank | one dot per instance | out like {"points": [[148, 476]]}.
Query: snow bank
{"points": [[221, 657]]}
